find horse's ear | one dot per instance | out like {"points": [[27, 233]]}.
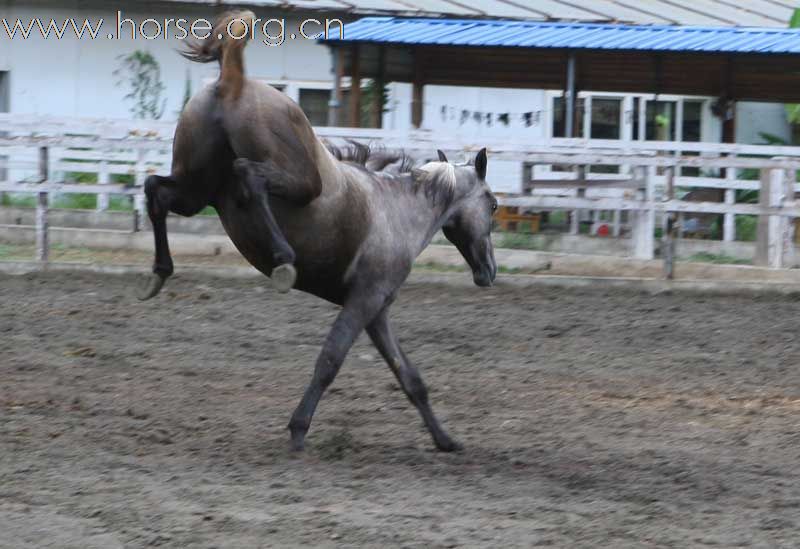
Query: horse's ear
{"points": [[480, 164], [442, 157]]}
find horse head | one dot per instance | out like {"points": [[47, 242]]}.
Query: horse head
{"points": [[469, 220]]}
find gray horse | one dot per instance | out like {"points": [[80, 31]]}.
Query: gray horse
{"points": [[349, 231]]}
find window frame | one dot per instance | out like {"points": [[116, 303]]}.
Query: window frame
{"points": [[626, 114]]}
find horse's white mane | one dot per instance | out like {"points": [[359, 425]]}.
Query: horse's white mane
{"points": [[436, 173]]}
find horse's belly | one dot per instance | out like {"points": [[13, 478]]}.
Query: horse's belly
{"points": [[324, 245]]}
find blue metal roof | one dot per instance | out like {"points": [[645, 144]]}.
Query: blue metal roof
{"points": [[532, 34]]}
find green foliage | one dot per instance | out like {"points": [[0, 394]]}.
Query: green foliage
{"points": [[794, 22], [525, 227], [369, 95], [18, 200], [792, 113], [771, 139], [558, 218], [662, 120], [746, 227], [502, 269], [81, 177], [75, 201], [719, 259], [120, 203], [141, 74], [123, 179], [5, 251], [516, 241]]}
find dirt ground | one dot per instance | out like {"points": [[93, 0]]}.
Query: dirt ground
{"points": [[589, 419]]}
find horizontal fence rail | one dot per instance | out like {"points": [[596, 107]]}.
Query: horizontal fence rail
{"points": [[649, 182]]}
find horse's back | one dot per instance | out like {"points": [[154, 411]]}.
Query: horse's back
{"points": [[264, 122]]}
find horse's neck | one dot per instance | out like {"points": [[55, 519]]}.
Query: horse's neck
{"points": [[425, 215]]}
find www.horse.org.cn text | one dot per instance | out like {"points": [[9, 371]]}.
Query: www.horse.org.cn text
{"points": [[269, 31]]}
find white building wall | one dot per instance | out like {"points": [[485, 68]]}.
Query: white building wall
{"points": [[753, 119], [503, 176], [72, 77]]}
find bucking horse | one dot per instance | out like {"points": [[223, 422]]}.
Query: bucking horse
{"points": [[320, 219]]}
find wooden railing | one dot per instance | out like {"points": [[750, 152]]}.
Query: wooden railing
{"points": [[49, 148]]}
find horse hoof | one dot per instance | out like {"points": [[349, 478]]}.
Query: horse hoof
{"points": [[449, 445], [297, 443], [283, 277], [153, 286]]}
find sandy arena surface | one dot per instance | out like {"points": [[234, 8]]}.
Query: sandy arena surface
{"points": [[589, 419]]}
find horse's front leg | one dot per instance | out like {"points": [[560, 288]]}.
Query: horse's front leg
{"points": [[352, 319], [165, 194], [253, 192], [381, 334]]}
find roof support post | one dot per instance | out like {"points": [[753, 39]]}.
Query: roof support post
{"points": [[355, 88], [417, 92], [335, 102], [728, 105], [728, 136], [570, 91], [378, 87]]}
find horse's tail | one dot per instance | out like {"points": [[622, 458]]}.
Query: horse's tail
{"points": [[226, 44]]}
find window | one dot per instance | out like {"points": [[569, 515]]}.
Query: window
{"points": [[315, 104], [560, 117], [660, 120], [692, 121], [606, 118], [691, 130]]}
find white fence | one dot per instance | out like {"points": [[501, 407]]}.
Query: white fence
{"points": [[648, 174]]}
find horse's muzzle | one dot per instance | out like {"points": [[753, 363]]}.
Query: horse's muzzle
{"points": [[484, 273]]}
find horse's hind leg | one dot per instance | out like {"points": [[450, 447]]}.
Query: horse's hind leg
{"points": [[164, 194], [253, 192], [298, 188], [352, 319], [381, 334]]}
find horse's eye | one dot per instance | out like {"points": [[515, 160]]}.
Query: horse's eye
{"points": [[494, 205]]}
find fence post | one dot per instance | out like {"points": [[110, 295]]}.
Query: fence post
{"points": [[643, 219], [669, 233], [575, 222], [42, 244], [102, 179], [138, 198], [729, 219], [774, 231], [643, 224], [788, 226]]}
